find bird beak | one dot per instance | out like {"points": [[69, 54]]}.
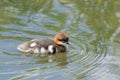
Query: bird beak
{"points": [[68, 43]]}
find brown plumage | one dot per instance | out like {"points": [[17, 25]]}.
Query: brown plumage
{"points": [[45, 46]]}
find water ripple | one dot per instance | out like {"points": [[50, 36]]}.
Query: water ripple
{"points": [[89, 57]]}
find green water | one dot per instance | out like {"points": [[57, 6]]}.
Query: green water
{"points": [[93, 28]]}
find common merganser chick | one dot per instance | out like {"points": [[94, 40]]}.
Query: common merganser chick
{"points": [[46, 46]]}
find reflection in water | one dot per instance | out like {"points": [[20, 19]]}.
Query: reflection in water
{"points": [[93, 27], [60, 58]]}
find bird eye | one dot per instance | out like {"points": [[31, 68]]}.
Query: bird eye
{"points": [[64, 40], [60, 39]]}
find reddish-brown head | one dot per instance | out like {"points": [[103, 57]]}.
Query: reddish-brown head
{"points": [[61, 39]]}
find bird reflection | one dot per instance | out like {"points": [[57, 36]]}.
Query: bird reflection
{"points": [[60, 59]]}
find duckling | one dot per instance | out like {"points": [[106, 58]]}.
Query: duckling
{"points": [[46, 46]]}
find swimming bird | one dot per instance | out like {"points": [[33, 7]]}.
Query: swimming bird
{"points": [[46, 45]]}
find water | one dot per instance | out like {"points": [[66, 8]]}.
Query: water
{"points": [[93, 28]]}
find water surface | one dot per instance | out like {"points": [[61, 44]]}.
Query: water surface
{"points": [[93, 28]]}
